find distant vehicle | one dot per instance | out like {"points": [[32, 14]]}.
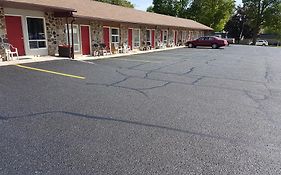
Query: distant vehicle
{"points": [[260, 43], [223, 35], [212, 41]]}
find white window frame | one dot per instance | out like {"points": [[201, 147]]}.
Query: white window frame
{"points": [[45, 33], [184, 36], [111, 35], [175, 38], [70, 36], [134, 42], [191, 35]]}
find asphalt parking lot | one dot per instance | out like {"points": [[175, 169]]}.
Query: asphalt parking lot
{"points": [[183, 111]]}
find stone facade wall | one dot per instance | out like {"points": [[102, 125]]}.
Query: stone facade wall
{"points": [[55, 32], [142, 36], [171, 36], [96, 32], [184, 36], [3, 32], [123, 34], [158, 35]]}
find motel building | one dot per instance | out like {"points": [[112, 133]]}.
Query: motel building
{"points": [[39, 27]]}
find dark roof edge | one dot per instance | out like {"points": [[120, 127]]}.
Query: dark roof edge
{"points": [[113, 20]]}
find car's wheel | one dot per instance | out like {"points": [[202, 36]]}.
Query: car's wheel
{"points": [[215, 46], [190, 45], [263, 44]]}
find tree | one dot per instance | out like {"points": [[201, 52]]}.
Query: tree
{"points": [[263, 14], [171, 7], [124, 3], [150, 9], [237, 27], [213, 13], [273, 26]]}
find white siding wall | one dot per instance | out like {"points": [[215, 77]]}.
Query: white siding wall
{"points": [[27, 13]]}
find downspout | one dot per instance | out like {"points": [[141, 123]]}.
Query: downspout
{"points": [[72, 41]]}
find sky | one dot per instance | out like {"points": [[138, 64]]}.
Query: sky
{"points": [[143, 4]]}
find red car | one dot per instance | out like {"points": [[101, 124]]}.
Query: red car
{"points": [[212, 41]]}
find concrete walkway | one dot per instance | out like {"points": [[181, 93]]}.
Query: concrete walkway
{"points": [[32, 59]]}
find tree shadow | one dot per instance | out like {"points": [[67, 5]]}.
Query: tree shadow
{"points": [[111, 119]]}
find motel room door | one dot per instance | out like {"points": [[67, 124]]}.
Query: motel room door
{"points": [[106, 38], [130, 38], [15, 34], [85, 37], [153, 39]]}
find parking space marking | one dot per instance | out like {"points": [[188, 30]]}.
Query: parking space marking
{"points": [[51, 72], [144, 61]]}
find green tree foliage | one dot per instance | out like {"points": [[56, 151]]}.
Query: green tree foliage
{"points": [[263, 14], [171, 7], [237, 27], [274, 24], [150, 9], [124, 3], [213, 13]]}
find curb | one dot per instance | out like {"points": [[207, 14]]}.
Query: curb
{"points": [[33, 59]]}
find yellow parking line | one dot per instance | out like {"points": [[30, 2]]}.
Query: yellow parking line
{"points": [[51, 72], [145, 61]]}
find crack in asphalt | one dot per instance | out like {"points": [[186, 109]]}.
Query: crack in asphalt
{"points": [[260, 107], [117, 86], [209, 61], [133, 89], [121, 73], [189, 71], [135, 66], [256, 100], [194, 75], [155, 87], [267, 76], [124, 79], [177, 82], [198, 80], [167, 82]]}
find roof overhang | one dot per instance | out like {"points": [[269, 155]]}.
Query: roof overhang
{"points": [[138, 23]]}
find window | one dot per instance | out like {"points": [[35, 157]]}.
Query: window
{"points": [[115, 35], [165, 36], [148, 37], [36, 33], [76, 40], [136, 38]]}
